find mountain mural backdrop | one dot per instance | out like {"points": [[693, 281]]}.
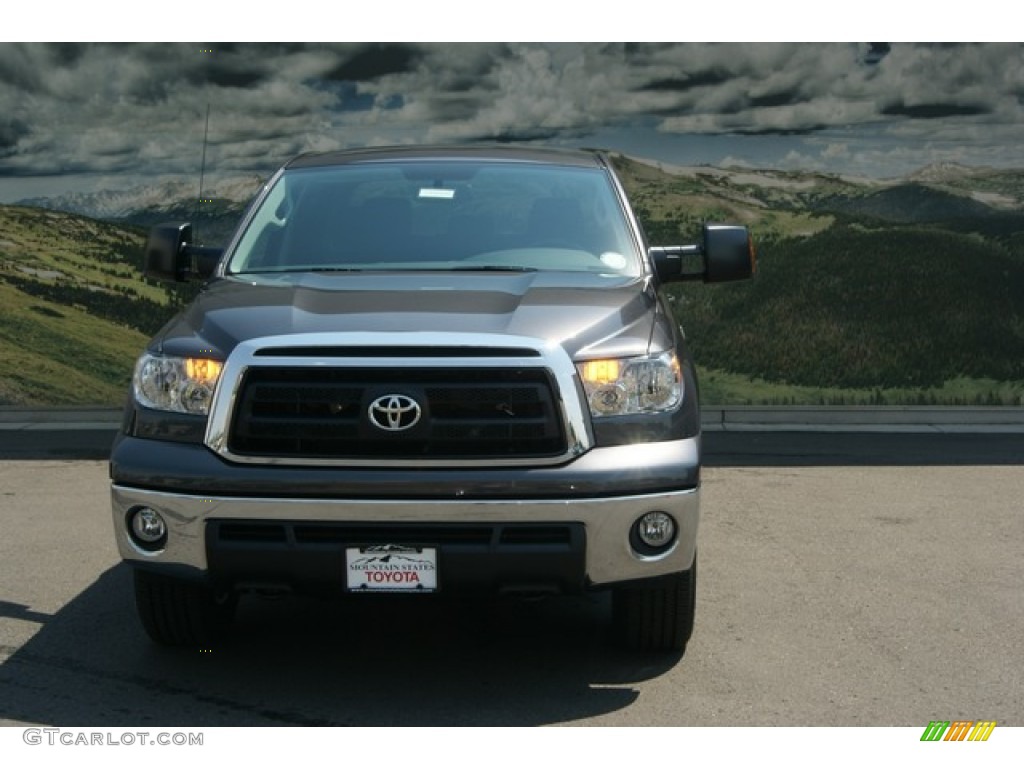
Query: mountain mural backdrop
{"points": [[903, 291]]}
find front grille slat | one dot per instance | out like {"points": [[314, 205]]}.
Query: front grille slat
{"points": [[321, 412], [263, 533], [303, 533]]}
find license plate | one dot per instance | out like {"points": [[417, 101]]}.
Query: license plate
{"points": [[391, 568]]}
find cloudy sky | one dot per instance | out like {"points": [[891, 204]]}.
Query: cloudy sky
{"points": [[87, 116]]}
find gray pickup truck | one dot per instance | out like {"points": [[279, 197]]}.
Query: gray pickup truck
{"points": [[421, 370]]}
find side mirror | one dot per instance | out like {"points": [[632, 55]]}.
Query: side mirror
{"points": [[729, 253], [171, 257], [726, 253]]}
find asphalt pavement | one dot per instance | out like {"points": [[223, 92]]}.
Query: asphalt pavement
{"points": [[827, 596], [865, 572]]}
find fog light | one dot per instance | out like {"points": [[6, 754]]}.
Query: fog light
{"points": [[148, 528], [656, 530]]}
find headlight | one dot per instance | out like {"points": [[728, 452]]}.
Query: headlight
{"points": [[617, 387], [182, 384]]}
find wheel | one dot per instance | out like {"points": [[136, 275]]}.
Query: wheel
{"points": [[657, 614], [175, 612]]}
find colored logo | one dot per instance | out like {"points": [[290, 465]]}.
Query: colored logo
{"points": [[958, 730]]}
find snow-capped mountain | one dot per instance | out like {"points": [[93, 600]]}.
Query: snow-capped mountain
{"points": [[171, 195]]}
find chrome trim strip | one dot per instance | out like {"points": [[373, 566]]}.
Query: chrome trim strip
{"points": [[568, 395]]}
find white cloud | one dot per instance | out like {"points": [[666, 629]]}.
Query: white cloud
{"points": [[139, 109]]}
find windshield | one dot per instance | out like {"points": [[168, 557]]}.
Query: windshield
{"points": [[432, 215]]}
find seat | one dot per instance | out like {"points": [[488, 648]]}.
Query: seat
{"points": [[381, 230], [315, 231], [556, 221]]}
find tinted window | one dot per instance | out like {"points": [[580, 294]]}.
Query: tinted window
{"points": [[433, 215]]}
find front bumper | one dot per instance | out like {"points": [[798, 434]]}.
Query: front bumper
{"points": [[601, 494]]}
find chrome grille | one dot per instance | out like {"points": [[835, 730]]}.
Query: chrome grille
{"points": [[321, 412]]}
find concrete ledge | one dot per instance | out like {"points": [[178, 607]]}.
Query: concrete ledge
{"points": [[863, 419], [60, 419], [61, 415]]}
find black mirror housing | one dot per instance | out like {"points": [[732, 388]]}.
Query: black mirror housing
{"points": [[668, 262], [729, 253], [171, 257], [165, 252], [726, 253]]}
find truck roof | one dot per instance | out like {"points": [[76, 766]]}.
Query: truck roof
{"points": [[503, 153]]}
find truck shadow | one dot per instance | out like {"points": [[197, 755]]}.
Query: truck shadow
{"points": [[363, 662]]}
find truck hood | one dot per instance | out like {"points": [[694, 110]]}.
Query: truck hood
{"points": [[589, 315]]}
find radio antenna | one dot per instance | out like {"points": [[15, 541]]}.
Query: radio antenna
{"points": [[202, 173]]}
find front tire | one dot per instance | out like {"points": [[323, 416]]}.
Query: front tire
{"points": [[656, 615], [176, 612]]}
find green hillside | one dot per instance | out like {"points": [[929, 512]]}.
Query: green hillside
{"points": [[74, 313], [898, 293], [672, 206], [913, 203], [858, 307], [902, 294]]}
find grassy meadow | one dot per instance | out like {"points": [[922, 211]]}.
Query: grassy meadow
{"points": [[902, 293]]}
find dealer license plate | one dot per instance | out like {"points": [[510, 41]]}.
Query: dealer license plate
{"points": [[391, 568]]}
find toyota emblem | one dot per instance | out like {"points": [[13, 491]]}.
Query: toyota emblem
{"points": [[394, 413]]}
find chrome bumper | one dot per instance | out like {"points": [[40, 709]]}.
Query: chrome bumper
{"points": [[607, 521]]}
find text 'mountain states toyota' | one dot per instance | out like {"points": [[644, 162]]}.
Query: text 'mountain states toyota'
{"points": [[421, 370]]}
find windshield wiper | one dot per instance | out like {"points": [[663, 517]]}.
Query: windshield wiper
{"points": [[287, 270], [488, 268]]}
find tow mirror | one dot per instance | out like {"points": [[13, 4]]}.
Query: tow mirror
{"points": [[171, 257], [726, 253]]}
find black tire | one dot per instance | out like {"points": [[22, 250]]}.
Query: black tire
{"points": [[175, 612], [656, 615]]}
